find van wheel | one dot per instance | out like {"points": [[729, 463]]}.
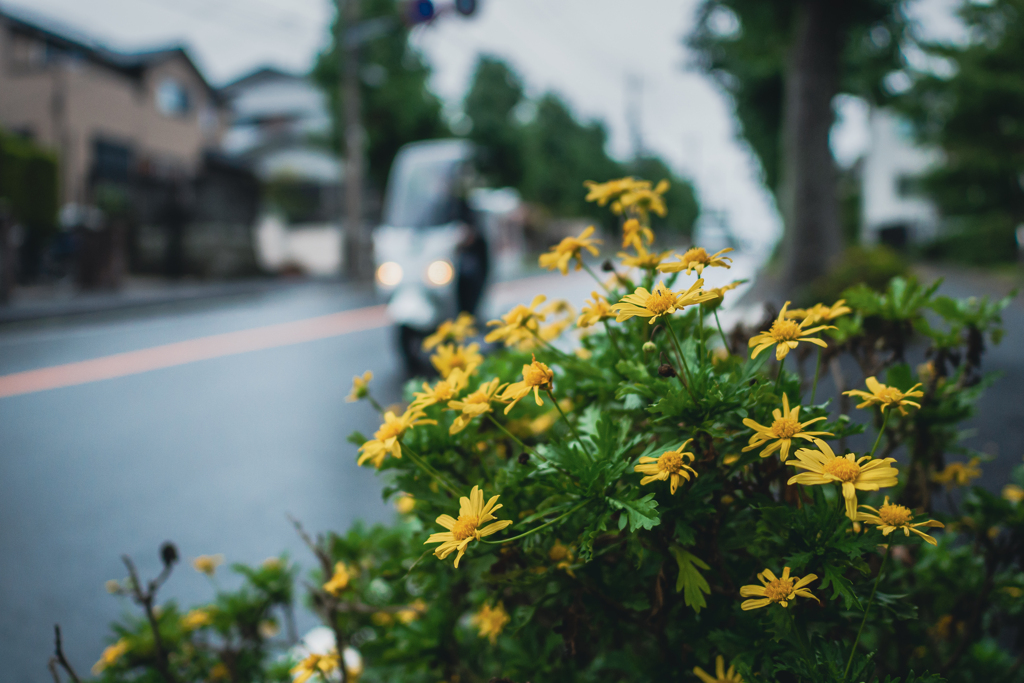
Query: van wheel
{"points": [[410, 344]]}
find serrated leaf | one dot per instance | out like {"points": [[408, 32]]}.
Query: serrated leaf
{"points": [[841, 586], [640, 513], [690, 580]]}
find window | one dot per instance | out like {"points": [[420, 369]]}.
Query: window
{"points": [[172, 98]]}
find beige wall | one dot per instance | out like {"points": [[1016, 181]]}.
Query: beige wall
{"points": [[103, 103]]}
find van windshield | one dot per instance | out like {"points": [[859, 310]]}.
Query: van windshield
{"points": [[421, 191]]}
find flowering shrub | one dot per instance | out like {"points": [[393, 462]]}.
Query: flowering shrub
{"points": [[656, 500]]}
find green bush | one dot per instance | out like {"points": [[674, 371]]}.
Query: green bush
{"points": [[658, 503], [29, 183]]}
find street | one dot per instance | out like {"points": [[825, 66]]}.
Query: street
{"points": [[230, 417]]}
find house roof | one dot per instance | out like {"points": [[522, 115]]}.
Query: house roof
{"points": [[78, 44]]}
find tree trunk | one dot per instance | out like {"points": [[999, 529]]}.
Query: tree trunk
{"points": [[809, 186]]}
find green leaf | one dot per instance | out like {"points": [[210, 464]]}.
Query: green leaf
{"points": [[690, 581], [841, 586], [640, 513]]}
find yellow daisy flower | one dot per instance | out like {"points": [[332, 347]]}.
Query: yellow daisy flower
{"points": [[776, 589], [669, 465], [885, 396], [360, 387], [891, 517], [602, 193], [196, 619], [594, 311], [642, 200], [644, 260], [1013, 493], [387, 439], [719, 292], [634, 234], [821, 312], [458, 330], [314, 663], [111, 656], [825, 467], [476, 404], [490, 621], [518, 324], [784, 429], [958, 473], [405, 504], [563, 557], [662, 301], [220, 672], [207, 564], [568, 249], [416, 609], [536, 376], [448, 357], [467, 528], [786, 334], [339, 581], [721, 675], [442, 392], [697, 259]]}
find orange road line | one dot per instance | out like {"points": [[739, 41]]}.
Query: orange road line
{"points": [[202, 348]]}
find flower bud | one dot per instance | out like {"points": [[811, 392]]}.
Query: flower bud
{"points": [[666, 370], [650, 347], [608, 266], [524, 458], [168, 553]]}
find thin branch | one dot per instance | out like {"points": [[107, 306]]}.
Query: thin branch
{"points": [[60, 658], [145, 599]]}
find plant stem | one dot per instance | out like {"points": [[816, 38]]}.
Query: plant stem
{"points": [[522, 445], [817, 368], [612, 339], [594, 275], [373, 402], [430, 470], [571, 428], [778, 377], [685, 377], [867, 608], [565, 356], [700, 329], [885, 421], [724, 339], [536, 529], [797, 635]]}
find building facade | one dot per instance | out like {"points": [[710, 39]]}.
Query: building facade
{"points": [[107, 114]]}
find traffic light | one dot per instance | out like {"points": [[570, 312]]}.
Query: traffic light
{"points": [[419, 11]]}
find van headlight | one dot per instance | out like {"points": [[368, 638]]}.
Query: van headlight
{"points": [[389, 274], [440, 273]]}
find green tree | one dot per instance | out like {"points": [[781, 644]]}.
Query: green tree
{"points": [[784, 62], [397, 106], [976, 117], [490, 104], [561, 154]]}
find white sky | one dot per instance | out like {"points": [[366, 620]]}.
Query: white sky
{"points": [[583, 49]]}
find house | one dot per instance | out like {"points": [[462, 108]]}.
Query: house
{"points": [[107, 113], [279, 125], [144, 128], [894, 211]]}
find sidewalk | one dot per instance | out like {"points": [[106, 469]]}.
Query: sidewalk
{"points": [[59, 300]]}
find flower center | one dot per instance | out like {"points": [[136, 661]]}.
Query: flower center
{"points": [[465, 528], [779, 590], [661, 301], [890, 394], [443, 391], [389, 430], [696, 255], [536, 376], [478, 397], [895, 515], [785, 330], [670, 462], [785, 427], [842, 469]]}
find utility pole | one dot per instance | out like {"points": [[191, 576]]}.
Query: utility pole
{"points": [[358, 261]]}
